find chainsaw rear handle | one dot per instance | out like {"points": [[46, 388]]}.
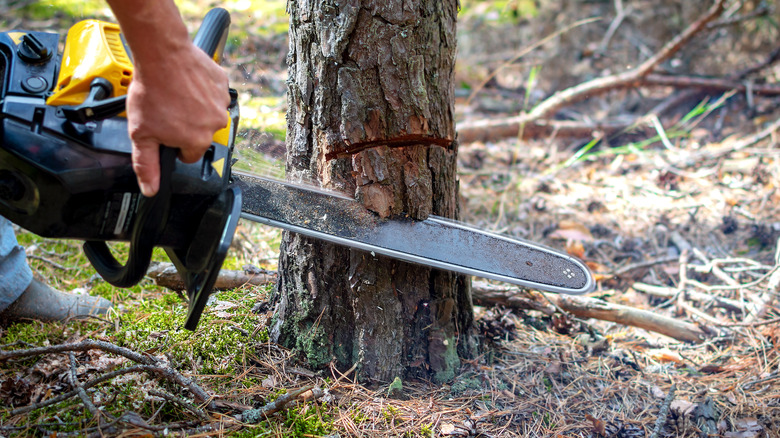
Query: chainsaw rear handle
{"points": [[153, 212], [149, 223]]}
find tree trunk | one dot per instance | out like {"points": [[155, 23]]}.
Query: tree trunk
{"points": [[370, 114]]}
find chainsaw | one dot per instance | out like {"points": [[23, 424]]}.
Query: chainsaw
{"points": [[66, 172]]}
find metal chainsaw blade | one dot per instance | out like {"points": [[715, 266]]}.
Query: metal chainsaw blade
{"points": [[434, 242]]}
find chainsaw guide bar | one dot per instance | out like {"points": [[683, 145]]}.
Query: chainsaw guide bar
{"points": [[435, 242]]}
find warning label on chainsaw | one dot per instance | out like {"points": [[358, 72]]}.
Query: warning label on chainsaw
{"points": [[119, 213]]}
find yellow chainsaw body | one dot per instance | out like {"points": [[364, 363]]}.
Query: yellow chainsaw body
{"points": [[95, 49]]}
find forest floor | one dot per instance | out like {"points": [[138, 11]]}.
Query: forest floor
{"points": [[677, 213]]}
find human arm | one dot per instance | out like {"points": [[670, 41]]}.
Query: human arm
{"points": [[178, 95]]}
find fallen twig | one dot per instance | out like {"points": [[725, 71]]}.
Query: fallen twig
{"points": [[531, 125], [253, 416], [760, 11], [692, 295], [152, 365], [717, 84], [622, 13], [664, 412], [751, 324], [74, 381], [773, 57], [491, 129], [165, 275], [632, 77], [585, 307], [486, 294], [181, 402], [86, 385], [643, 264], [51, 262], [760, 303], [734, 146], [526, 51]]}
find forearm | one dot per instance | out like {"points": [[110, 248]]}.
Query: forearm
{"points": [[178, 95], [152, 28]]}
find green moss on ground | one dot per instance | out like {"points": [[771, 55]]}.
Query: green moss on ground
{"points": [[226, 333]]}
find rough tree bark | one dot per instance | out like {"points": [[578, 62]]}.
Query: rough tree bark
{"points": [[370, 113]]}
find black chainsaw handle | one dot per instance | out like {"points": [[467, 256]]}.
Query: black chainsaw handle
{"points": [[147, 227], [153, 212]]}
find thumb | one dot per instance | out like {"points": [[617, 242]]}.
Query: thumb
{"points": [[146, 165]]}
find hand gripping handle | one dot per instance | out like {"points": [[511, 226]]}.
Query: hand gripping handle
{"points": [[153, 212]]}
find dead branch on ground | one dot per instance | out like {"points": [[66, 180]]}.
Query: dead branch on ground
{"points": [[155, 367], [663, 412], [491, 129], [483, 129], [489, 295], [252, 416], [165, 275], [586, 307], [729, 146], [629, 78], [150, 364]]}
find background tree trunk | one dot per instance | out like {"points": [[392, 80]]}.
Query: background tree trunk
{"points": [[370, 113]]}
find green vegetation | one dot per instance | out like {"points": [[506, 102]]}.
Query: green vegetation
{"points": [[500, 11], [31, 335], [451, 362], [227, 335], [66, 8], [216, 347], [309, 420], [466, 383], [680, 130], [266, 113]]}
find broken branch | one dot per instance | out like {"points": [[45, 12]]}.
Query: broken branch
{"points": [[710, 299], [664, 412], [165, 275], [585, 307], [252, 416], [74, 382], [533, 126], [629, 78], [152, 364]]}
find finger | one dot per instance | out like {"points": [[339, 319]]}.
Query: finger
{"points": [[146, 164], [193, 154]]}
